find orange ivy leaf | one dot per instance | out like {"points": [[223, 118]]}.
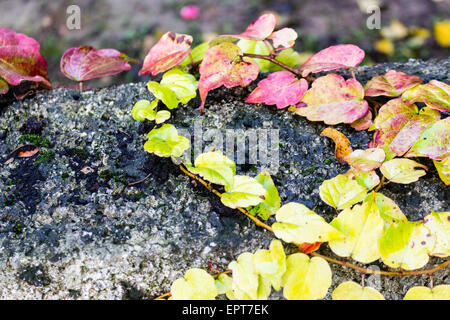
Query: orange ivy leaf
{"points": [[309, 247], [224, 65], [343, 146]]}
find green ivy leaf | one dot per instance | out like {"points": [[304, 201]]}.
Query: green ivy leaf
{"points": [[183, 84], [247, 283], [289, 57], [271, 264], [443, 169], [246, 192], [197, 284], [305, 278], [297, 224], [166, 95], [165, 142], [406, 245], [441, 292], [256, 47], [439, 225], [387, 208], [272, 201], [362, 227], [162, 116], [342, 192], [214, 167], [368, 180], [144, 110], [350, 290], [224, 284], [402, 170], [197, 54]]}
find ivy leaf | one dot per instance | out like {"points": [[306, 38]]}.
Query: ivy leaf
{"points": [[167, 53], [400, 125], [305, 278], [334, 57], [434, 142], [281, 88], [247, 283], [144, 110], [363, 123], [284, 38], [86, 63], [165, 142], [343, 146], [224, 284], [163, 93], [258, 30], [441, 292], [387, 208], [297, 224], [224, 65], [391, 84], [183, 84], [197, 54], [350, 290], [306, 247], [214, 167], [20, 60], [334, 100], [435, 94], [289, 57], [402, 170], [368, 180], [271, 264], [245, 192], [362, 226], [439, 225], [257, 47], [366, 160], [406, 245], [197, 284], [272, 201], [162, 116], [342, 192], [443, 169]]}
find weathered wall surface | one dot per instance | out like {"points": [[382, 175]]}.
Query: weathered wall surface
{"points": [[70, 229]]}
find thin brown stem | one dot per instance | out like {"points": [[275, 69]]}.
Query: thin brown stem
{"points": [[139, 181], [274, 61]]}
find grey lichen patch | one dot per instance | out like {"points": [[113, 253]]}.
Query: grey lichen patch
{"points": [[71, 228]]}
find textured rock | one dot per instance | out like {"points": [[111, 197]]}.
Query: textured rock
{"points": [[70, 229]]}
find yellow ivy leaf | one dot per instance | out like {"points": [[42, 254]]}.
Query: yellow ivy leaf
{"points": [[439, 225], [366, 179], [271, 264], [352, 291], [402, 170], [442, 33], [441, 292], [387, 208], [246, 192], [297, 224], [443, 169], [305, 278], [197, 284], [342, 191], [224, 284], [406, 245], [363, 227]]}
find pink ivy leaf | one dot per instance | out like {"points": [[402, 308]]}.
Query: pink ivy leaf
{"points": [[392, 84], [284, 38], [435, 94], [20, 60], [86, 63], [281, 88], [366, 160], [334, 57], [400, 125], [434, 142], [167, 53], [334, 100], [258, 30], [224, 65], [364, 123]]}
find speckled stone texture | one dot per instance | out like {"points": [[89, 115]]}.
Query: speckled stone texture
{"points": [[69, 229]]}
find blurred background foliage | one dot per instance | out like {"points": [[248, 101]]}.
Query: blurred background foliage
{"points": [[410, 28]]}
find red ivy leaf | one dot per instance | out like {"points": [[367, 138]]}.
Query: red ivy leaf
{"points": [[20, 60], [364, 123], [333, 100], [309, 247], [284, 38], [392, 84], [167, 53], [334, 57], [224, 65], [281, 88], [86, 63]]}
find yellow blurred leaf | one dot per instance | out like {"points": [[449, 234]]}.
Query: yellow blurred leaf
{"points": [[385, 46], [442, 33]]}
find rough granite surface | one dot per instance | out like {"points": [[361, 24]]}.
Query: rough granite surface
{"points": [[71, 229]]}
